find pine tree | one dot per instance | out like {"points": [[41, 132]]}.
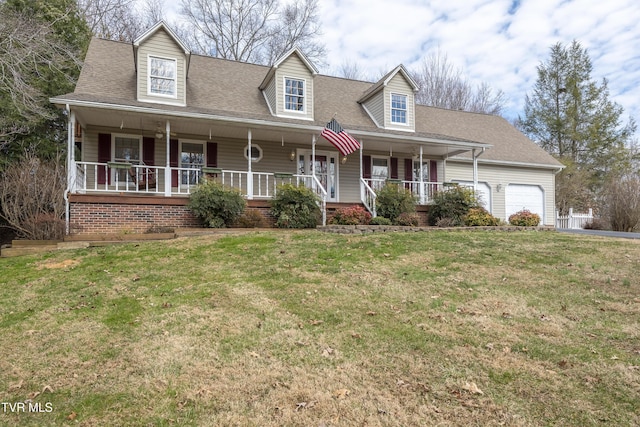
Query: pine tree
{"points": [[571, 116]]}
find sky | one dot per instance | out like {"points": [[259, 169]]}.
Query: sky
{"points": [[500, 42]]}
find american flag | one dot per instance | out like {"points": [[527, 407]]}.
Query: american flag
{"points": [[344, 142]]}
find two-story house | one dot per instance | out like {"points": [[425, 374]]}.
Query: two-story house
{"points": [[149, 119]]}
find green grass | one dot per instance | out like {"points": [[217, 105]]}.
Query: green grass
{"points": [[270, 328]]}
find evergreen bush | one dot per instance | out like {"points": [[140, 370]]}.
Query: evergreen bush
{"points": [[453, 203], [392, 200], [295, 207], [216, 205], [478, 217], [380, 220]]}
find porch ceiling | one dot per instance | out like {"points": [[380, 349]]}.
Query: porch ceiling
{"points": [[148, 124]]}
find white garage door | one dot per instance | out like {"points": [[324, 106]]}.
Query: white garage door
{"points": [[520, 196], [484, 192]]}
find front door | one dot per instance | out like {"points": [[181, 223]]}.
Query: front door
{"points": [[326, 170]]}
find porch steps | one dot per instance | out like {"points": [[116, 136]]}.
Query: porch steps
{"points": [[79, 241]]}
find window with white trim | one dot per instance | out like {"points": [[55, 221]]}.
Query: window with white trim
{"points": [[293, 94], [398, 108], [126, 150], [192, 160], [256, 153], [162, 76]]}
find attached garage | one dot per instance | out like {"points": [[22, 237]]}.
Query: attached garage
{"points": [[521, 196]]}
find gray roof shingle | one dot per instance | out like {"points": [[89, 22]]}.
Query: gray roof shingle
{"points": [[230, 88]]}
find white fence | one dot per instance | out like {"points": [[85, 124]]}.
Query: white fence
{"points": [[573, 220]]}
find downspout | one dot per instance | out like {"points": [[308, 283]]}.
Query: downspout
{"points": [[475, 168]]}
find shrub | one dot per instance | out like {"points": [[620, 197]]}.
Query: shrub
{"points": [[295, 207], [622, 203], [524, 218], [380, 220], [447, 222], [352, 215], [453, 203], [393, 200], [216, 205], [32, 198], [595, 224], [251, 219], [408, 219], [477, 217]]}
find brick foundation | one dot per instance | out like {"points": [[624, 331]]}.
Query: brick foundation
{"points": [[102, 214], [115, 214]]}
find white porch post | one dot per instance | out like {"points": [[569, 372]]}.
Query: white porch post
{"points": [[71, 172], [360, 176], [249, 171], [313, 155], [167, 168], [421, 189]]}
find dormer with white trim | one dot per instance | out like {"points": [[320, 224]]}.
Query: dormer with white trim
{"points": [[391, 101], [162, 61], [288, 86]]}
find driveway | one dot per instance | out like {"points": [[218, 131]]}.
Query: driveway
{"points": [[601, 233]]}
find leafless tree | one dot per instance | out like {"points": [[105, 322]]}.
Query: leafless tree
{"points": [[27, 50], [112, 19], [257, 31], [351, 70], [31, 195], [120, 19], [444, 85]]}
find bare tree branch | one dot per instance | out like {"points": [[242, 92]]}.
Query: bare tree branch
{"points": [[257, 31]]}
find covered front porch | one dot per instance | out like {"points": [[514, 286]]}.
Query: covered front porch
{"points": [[151, 153]]}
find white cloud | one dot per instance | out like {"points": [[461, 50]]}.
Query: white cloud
{"points": [[487, 41]]}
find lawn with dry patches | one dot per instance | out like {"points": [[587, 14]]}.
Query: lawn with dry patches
{"points": [[275, 328]]}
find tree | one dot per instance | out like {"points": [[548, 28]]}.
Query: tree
{"points": [[256, 31], [443, 85], [571, 116], [121, 20], [41, 47]]}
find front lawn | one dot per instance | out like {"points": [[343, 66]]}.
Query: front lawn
{"points": [[273, 328]]}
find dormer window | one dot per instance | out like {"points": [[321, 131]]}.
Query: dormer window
{"points": [[398, 109], [162, 77], [293, 94]]}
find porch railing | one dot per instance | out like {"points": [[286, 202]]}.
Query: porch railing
{"points": [[368, 196], [423, 191], [130, 178], [92, 176]]}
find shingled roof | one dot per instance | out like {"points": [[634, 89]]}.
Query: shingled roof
{"points": [[215, 86]]}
